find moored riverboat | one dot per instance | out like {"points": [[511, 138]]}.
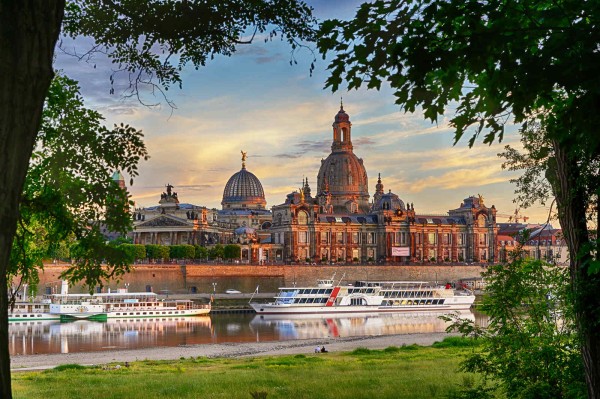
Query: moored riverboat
{"points": [[102, 306], [366, 297]]}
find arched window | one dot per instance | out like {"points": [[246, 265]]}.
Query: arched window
{"points": [[481, 220], [345, 134], [302, 217]]}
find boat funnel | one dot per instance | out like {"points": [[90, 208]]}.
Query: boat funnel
{"points": [[64, 288]]}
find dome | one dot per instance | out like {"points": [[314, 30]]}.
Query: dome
{"points": [[343, 174], [243, 190], [389, 201], [342, 116]]}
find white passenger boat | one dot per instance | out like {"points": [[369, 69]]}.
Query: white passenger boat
{"points": [[366, 297], [102, 306], [122, 304], [31, 311]]}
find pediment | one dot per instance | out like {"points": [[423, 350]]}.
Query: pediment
{"points": [[163, 221]]}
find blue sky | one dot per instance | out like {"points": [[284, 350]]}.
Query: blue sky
{"points": [[256, 102]]}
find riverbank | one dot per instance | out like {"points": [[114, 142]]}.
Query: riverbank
{"points": [[225, 350]]}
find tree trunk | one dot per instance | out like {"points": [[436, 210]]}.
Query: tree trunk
{"points": [[571, 198], [28, 33]]}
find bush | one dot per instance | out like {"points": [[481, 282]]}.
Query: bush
{"points": [[200, 252], [71, 366], [184, 251], [455, 342], [232, 251], [154, 251], [529, 348]]}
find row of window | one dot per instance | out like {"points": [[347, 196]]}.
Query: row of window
{"points": [[307, 291], [407, 294], [413, 302]]}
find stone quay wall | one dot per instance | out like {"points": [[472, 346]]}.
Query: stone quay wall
{"points": [[207, 278]]}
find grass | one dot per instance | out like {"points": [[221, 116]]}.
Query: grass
{"points": [[405, 372]]}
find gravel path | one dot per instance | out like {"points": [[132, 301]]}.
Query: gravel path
{"points": [[225, 350]]}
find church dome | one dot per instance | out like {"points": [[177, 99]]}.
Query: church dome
{"points": [[243, 190], [343, 174]]}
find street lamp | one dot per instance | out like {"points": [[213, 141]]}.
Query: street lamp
{"points": [[214, 287]]}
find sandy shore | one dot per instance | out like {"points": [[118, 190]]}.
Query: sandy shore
{"points": [[225, 350]]}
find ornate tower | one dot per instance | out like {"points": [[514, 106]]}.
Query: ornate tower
{"points": [[343, 174]]}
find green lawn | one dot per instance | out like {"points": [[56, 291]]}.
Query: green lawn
{"points": [[407, 372]]}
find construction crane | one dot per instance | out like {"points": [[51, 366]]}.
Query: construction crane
{"points": [[515, 217]]}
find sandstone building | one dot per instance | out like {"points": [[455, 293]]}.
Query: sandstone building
{"points": [[337, 223]]}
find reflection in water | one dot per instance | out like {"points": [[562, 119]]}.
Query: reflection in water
{"points": [[322, 326], [32, 337]]}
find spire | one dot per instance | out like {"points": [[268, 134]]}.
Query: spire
{"points": [[306, 188], [378, 189], [342, 104]]}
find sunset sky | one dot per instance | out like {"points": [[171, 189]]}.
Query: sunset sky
{"points": [[257, 102]]}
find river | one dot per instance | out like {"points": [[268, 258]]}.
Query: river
{"points": [[40, 337]]}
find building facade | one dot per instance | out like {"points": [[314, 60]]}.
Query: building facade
{"points": [[340, 224], [337, 223]]}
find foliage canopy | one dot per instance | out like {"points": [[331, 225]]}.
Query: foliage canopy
{"points": [[69, 196]]}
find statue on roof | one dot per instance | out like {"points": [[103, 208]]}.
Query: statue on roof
{"points": [[480, 199], [243, 159], [169, 188]]}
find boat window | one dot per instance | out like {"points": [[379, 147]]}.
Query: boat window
{"points": [[303, 300], [321, 291], [329, 291], [314, 291]]}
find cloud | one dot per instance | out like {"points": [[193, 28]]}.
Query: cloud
{"points": [[458, 179]]}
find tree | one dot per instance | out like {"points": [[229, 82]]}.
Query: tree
{"points": [[184, 251], [232, 251], [530, 347], [200, 252], [143, 38], [216, 252], [69, 194], [498, 61], [160, 252]]}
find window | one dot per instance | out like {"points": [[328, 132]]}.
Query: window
{"points": [[432, 237], [302, 217], [302, 237], [355, 238], [340, 237], [446, 238], [325, 237], [371, 238]]}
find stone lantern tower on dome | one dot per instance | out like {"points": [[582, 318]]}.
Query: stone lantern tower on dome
{"points": [[342, 174]]}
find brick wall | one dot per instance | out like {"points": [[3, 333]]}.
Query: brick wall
{"points": [[181, 279]]}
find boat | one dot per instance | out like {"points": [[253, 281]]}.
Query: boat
{"points": [[122, 304], [31, 311], [366, 297], [103, 306]]}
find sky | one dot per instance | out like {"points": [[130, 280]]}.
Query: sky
{"points": [[281, 116]]}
